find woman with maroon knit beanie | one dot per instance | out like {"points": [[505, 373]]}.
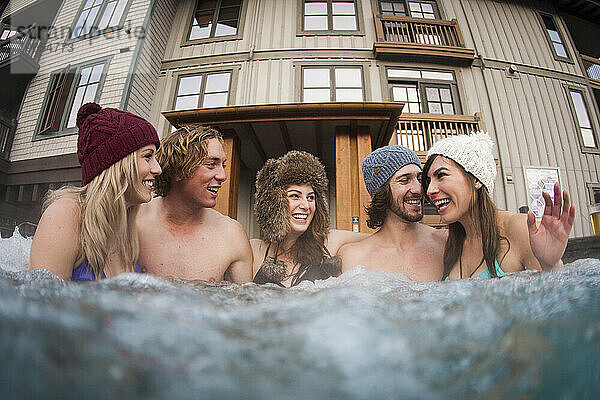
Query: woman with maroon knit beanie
{"points": [[87, 233]]}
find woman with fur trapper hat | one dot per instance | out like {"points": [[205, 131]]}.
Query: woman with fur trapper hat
{"points": [[291, 209], [458, 178], [87, 233]]}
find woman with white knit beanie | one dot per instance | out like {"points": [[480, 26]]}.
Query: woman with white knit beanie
{"points": [[484, 242]]}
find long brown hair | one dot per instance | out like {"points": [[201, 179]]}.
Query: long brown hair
{"points": [[309, 249], [484, 212]]}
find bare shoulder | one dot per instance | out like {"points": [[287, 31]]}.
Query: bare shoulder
{"points": [[356, 253], [230, 231], [225, 224], [257, 245], [513, 226], [56, 239], [519, 256], [338, 238], [62, 212], [438, 235], [352, 248]]}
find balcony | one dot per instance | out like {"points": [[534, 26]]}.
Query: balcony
{"points": [[22, 52], [417, 38], [419, 131], [592, 67]]}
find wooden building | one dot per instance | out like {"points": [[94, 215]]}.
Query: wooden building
{"points": [[337, 78]]}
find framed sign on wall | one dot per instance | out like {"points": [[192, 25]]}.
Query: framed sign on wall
{"points": [[538, 180]]}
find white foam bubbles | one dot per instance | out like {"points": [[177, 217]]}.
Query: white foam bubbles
{"points": [[14, 252]]}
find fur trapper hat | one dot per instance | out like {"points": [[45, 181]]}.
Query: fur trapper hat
{"points": [[271, 207]]}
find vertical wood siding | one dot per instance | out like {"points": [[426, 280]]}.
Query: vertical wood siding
{"points": [[56, 57], [268, 24], [534, 126], [145, 76], [511, 31]]}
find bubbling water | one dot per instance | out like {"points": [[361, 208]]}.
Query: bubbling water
{"points": [[363, 335]]}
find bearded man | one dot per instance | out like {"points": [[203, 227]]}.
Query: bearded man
{"points": [[401, 243]]}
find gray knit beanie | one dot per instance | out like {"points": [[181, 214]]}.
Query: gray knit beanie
{"points": [[379, 166]]}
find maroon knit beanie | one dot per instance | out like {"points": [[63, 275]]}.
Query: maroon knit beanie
{"points": [[106, 135]]}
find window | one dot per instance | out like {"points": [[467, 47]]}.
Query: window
{"points": [[98, 15], [414, 9], [69, 89], [7, 33], [554, 36], [594, 191], [215, 18], [586, 132], [203, 91], [330, 15], [424, 91], [323, 84]]}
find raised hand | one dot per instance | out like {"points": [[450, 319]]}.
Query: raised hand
{"points": [[548, 241]]}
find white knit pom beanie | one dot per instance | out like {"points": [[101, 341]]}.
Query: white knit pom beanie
{"points": [[472, 152]]}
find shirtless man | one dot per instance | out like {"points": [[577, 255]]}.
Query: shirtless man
{"points": [[180, 234], [401, 244]]}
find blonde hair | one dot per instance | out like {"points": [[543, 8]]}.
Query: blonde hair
{"points": [[107, 222], [180, 153]]}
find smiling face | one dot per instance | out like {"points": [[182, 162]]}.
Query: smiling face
{"points": [[407, 198], [302, 205], [450, 190], [148, 168], [203, 185]]}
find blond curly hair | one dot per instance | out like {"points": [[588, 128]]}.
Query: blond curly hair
{"points": [[180, 153]]}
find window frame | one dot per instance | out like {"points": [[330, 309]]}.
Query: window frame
{"points": [[186, 41], [8, 28], [94, 31], [591, 114], [202, 91], [62, 130], [559, 30], [591, 186], [233, 69], [436, 8], [422, 84], [332, 88], [360, 24]]}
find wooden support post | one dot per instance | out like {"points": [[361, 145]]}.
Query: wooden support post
{"points": [[343, 178], [228, 194], [352, 145], [363, 141]]}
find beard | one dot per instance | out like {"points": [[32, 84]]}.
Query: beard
{"points": [[397, 207]]}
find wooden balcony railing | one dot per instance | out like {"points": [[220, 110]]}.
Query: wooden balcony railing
{"points": [[25, 43], [419, 131], [418, 36], [592, 67], [7, 131]]}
